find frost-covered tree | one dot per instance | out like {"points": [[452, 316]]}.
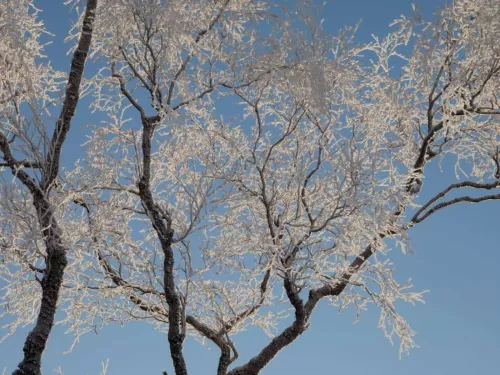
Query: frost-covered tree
{"points": [[31, 237], [252, 165]]}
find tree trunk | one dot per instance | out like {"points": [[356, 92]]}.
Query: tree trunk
{"points": [[36, 341], [56, 260]]}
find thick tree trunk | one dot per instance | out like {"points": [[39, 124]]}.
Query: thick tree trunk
{"points": [[36, 341], [56, 260]]}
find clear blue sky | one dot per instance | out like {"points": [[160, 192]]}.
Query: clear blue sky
{"points": [[457, 258]]}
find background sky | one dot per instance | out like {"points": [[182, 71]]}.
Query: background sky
{"points": [[457, 258]]}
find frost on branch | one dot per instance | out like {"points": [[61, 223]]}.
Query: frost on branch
{"points": [[32, 240], [269, 172], [28, 86]]}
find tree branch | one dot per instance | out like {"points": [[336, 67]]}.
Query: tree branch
{"points": [[488, 186], [71, 97]]}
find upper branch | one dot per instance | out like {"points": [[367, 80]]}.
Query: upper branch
{"points": [[71, 97], [186, 61]]}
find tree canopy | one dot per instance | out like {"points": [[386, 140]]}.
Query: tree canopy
{"points": [[251, 165]]}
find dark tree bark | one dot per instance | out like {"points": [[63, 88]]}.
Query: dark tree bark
{"points": [[56, 260], [161, 222], [303, 313]]}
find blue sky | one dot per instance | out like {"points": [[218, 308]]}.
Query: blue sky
{"points": [[457, 258]]}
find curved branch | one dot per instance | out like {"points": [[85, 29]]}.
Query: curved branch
{"points": [[453, 201], [417, 219], [124, 90], [302, 314]]}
